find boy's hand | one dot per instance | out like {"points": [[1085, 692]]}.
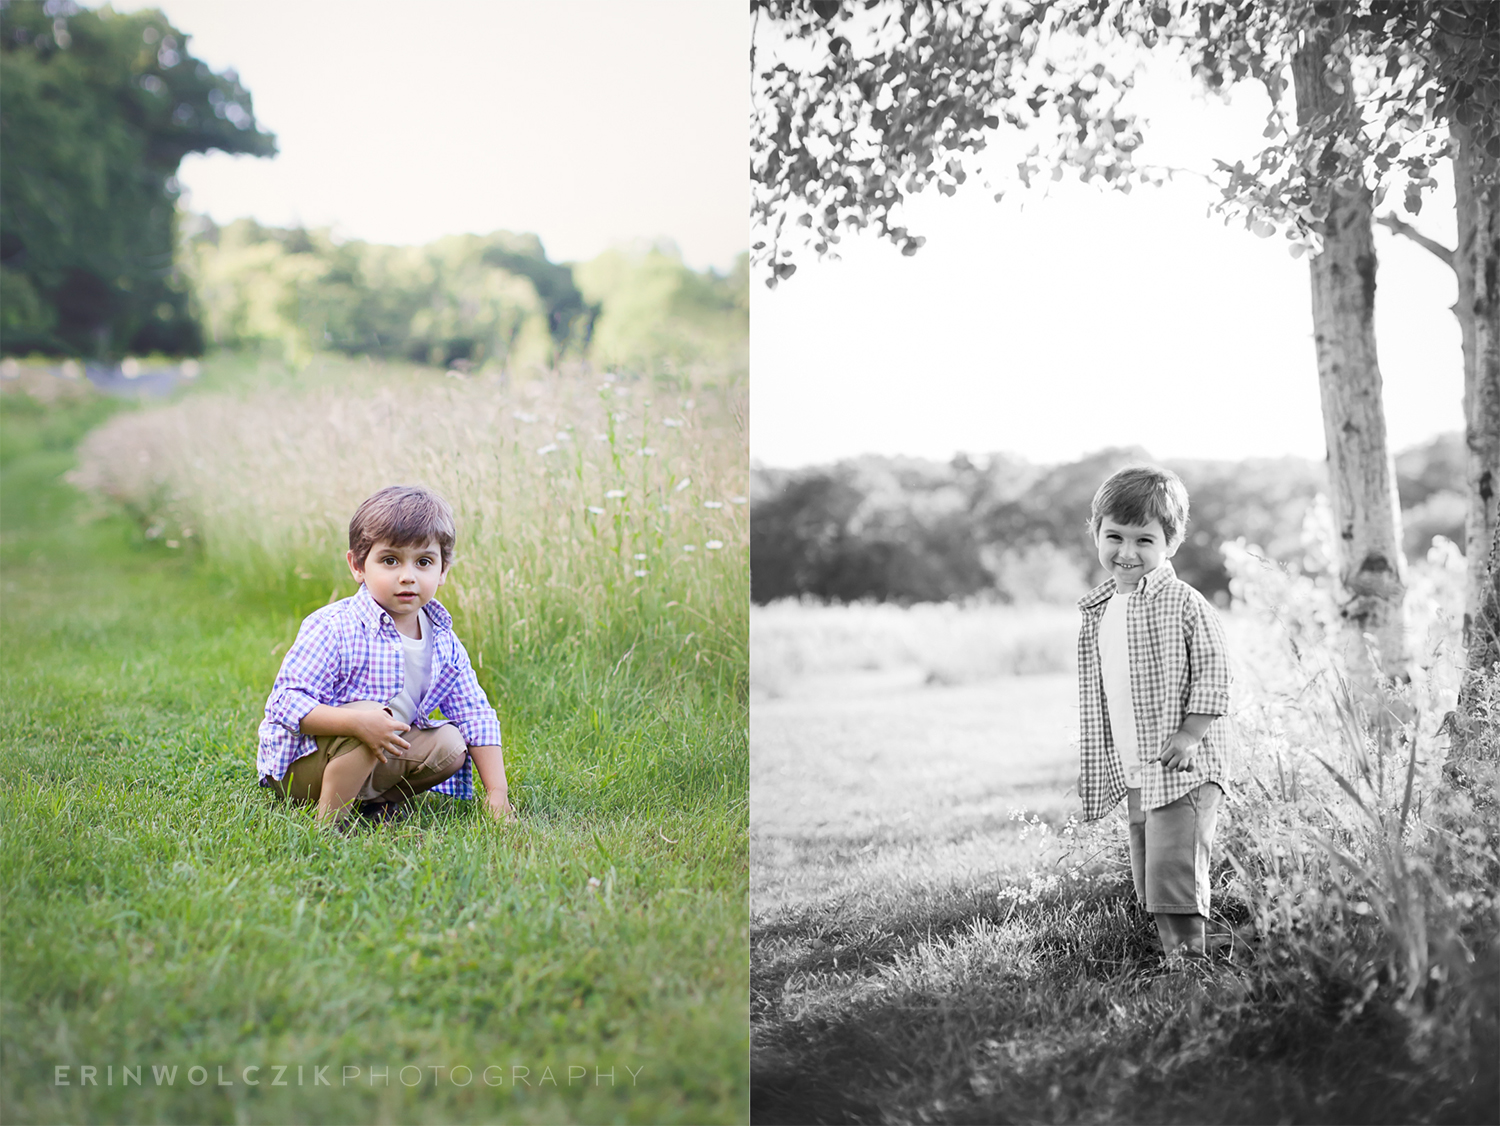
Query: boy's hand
{"points": [[499, 806], [377, 729], [1179, 751]]}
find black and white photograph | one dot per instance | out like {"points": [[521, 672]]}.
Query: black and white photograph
{"points": [[1125, 423]]}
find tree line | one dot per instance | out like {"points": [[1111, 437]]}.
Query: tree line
{"points": [[904, 530], [463, 300], [97, 259]]}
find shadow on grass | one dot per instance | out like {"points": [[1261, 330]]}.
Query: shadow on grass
{"points": [[1056, 1008]]}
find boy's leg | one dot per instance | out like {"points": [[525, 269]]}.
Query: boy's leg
{"points": [[334, 774], [436, 755], [1137, 819], [1179, 837]]}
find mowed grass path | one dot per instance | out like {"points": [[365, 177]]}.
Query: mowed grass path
{"points": [[160, 911], [911, 963]]}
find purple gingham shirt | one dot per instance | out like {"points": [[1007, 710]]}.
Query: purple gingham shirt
{"points": [[349, 651], [1179, 663]]}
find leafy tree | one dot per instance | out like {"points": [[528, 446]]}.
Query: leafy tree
{"points": [[657, 313], [881, 100], [99, 109], [448, 302]]}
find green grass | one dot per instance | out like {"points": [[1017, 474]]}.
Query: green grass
{"points": [[160, 909]]}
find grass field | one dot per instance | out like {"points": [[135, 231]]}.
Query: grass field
{"points": [[163, 915], [922, 953]]}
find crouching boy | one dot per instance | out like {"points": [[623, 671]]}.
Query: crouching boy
{"points": [[349, 717], [1153, 680]]}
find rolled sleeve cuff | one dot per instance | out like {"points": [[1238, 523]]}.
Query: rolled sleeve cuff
{"points": [[1208, 701], [288, 706], [479, 730]]}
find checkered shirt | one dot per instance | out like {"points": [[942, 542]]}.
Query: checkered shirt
{"points": [[351, 650], [1179, 664]]}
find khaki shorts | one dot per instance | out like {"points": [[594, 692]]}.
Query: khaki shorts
{"points": [[435, 756], [1169, 850]]}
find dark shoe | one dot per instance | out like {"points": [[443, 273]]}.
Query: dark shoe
{"points": [[382, 812]]}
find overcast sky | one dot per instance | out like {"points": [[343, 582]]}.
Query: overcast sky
{"points": [[588, 122], [1052, 327]]}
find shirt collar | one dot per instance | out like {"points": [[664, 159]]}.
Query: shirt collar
{"points": [[372, 615], [1151, 582]]}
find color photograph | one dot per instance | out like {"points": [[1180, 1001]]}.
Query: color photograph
{"points": [[374, 504], [1125, 419]]}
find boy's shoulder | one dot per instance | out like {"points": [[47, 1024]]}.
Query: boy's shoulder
{"points": [[1178, 591]]}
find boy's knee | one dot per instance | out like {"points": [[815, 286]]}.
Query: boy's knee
{"points": [[451, 747]]}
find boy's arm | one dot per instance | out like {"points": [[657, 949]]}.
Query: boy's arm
{"points": [[468, 708], [309, 674], [491, 765], [1208, 684], [1208, 660], [375, 727]]}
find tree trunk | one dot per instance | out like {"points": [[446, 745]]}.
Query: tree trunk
{"points": [[1362, 478], [1477, 262]]}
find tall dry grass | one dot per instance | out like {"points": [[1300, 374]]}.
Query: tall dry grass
{"points": [[601, 521]]}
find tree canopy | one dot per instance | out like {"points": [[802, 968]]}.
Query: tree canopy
{"points": [[860, 104], [99, 110]]}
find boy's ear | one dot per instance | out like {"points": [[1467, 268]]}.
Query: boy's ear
{"points": [[354, 569]]}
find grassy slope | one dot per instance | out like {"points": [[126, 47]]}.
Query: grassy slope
{"points": [[159, 909]]}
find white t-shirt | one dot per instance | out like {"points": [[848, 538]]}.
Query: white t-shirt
{"points": [[418, 656], [1114, 659]]}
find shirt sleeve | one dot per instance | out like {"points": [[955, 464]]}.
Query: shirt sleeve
{"points": [[1208, 660], [309, 674], [466, 706]]}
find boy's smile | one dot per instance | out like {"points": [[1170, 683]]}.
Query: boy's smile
{"points": [[1129, 551], [402, 579]]}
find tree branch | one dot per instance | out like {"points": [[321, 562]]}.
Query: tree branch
{"points": [[1399, 227]]}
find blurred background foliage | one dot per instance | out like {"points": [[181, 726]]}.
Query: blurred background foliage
{"points": [[465, 301], [894, 529], [98, 260], [99, 109]]}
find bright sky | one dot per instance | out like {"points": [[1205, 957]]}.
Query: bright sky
{"points": [[1088, 319], [588, 122]]}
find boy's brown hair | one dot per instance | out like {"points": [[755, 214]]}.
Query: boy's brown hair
{"points": [[402, 515], [1139, 494]]}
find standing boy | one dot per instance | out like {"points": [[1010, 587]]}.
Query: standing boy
{"points": [[1153, 679], [349, 717]]}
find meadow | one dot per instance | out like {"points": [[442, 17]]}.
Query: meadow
{"points": [[936, 938], [170, 925]]}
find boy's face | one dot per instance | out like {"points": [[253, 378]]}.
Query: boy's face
{"points": [[401, 579], [1129, 551]]}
